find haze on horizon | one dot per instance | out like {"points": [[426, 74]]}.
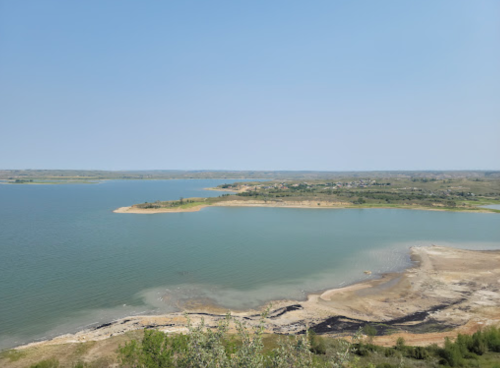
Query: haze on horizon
{"points": [[221, 85]]}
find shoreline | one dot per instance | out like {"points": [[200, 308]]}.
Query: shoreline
{"points": [[292, 204], [445, 291], [131, 209], [53, 183]]}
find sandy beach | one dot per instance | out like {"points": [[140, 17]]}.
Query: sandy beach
{"points": [[148, 211], [447, 291], [236, 203]]}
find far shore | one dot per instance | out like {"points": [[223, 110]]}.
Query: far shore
{"points": [[62, 182], [447, 291]]}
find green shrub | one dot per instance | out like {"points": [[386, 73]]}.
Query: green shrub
{"points": [[419, 353], [400, 343], [370, 331], [451, 354], [492, 337], [389, 352], [479, 344], [317, 343]]}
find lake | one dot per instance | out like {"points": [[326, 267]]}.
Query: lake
{"points": [[68, 262]]}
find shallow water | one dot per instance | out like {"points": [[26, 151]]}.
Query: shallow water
{"points": [[67, 261], [493, 206]]}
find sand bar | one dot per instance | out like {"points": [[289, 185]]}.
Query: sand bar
{"points": [[147, 211]]}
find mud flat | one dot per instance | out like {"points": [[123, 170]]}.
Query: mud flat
{"points": [[447, 291]]}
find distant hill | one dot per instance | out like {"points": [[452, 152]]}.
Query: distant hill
{"points": [[230, 174]]}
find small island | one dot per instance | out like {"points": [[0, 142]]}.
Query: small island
{"points": [[421, 193]]}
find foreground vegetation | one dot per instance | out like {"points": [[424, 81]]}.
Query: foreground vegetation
{"points": [[250, 347], [204, 347]]}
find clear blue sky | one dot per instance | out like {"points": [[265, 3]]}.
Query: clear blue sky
{"points": [[274, 85]]}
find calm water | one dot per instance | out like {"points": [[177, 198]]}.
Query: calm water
{"points": [[493, 206], [67, 261]]}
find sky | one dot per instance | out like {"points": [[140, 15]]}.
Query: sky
{"points": [[250, 85]]}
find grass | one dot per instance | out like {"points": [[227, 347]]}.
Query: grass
{"points": [[13, 355], [100, 354], [84, 347], [193, 204], [479, 202]]}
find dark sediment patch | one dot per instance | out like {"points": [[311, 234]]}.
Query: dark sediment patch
{"points": [[341, 325], [421, 316], [155, 326], [279, 312]]}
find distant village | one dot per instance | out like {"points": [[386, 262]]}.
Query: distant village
{"points": [[330, 187], [302, 185]]}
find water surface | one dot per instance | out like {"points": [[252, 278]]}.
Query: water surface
{"points": [[67, 261], [493, 206]]}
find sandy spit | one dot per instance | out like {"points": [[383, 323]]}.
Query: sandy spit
{"points": [[131, 209], [236, 203]]}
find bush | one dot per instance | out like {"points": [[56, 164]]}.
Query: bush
{"points": [[370, 331], [492, 336], [479, 344], [400, 343], [360, 200], [389, 353], [419, 353], [451, 354], [212, 347], [317, 343]]}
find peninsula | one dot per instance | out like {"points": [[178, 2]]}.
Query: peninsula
{"points": [[423, 193]]}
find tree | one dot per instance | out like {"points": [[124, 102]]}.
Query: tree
{"points": [[360, 200]]}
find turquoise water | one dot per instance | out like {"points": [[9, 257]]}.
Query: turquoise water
{"points": [[67, 261]]}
